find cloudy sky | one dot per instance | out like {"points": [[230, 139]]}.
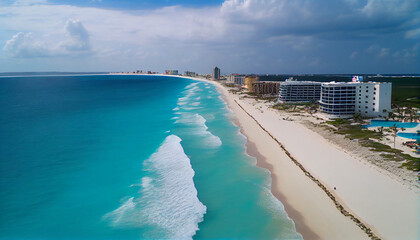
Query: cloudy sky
{"points": [[246, 36]]}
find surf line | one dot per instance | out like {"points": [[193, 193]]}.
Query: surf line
{"points": [[338, 205]]}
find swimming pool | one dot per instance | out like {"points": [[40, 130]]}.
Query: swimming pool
{"points": [[382, 123], [415, 136]]}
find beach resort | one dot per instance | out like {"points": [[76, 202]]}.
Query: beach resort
{"points": [[344, 164], [343, 161], [216, 119]]}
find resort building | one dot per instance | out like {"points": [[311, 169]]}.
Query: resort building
{"points": [[266, 88], [190, 74], [171, 72], [215, 74], [299, 91], [236, 79], [344, 99], [249, 81]]}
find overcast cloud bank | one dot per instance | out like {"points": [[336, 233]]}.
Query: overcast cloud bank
{"points": [[261, 36]]}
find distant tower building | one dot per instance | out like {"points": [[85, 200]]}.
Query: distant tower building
{"points": [[215, 74]]}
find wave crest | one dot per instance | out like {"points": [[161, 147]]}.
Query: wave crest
{"points": [[168, 200]]}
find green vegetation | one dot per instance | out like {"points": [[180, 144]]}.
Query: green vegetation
{"points": [[365, 136], [231, 85], [295, 107], [354, 131], [405, 90]]}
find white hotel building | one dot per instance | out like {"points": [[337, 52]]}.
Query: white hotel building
{"points": [[344, 99], [237, 79]]}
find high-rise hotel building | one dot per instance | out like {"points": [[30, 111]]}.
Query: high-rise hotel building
{"points": [[299, 91], [215, 74], [344, 99]]}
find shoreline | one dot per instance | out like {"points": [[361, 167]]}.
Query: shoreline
{"points": [[376, 204], [290, 185], [384, 205], [306, 169]]}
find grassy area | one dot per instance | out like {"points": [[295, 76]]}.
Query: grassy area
{"points": [[293, 107], [405, 91], [365, 137]]}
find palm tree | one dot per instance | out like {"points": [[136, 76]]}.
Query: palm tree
{"points": [[394, 130], [391, 115]]}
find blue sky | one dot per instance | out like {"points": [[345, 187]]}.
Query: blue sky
{"points": [[246, 36]]}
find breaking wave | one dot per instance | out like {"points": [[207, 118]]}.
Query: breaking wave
{"points": [[168, 198], [199, 122]]}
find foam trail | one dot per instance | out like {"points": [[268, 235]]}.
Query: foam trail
{"points": [[168, 201], [199, 122], [121, 215], [191, 85]]}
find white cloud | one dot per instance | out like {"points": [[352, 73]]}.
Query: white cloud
{"points": [[28, 2], [25, 45], [78, 37], [178, 36], [384, 52], [353, 55], [372, 48], [415, 33]]}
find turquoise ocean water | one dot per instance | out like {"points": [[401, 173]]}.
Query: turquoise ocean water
{"points": [[128, 157]]}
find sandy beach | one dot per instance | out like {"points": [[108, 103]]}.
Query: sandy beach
{"points": [[332, 181], [383, 204]]}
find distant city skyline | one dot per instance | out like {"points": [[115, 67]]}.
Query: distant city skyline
{"points": [[248, 36]]}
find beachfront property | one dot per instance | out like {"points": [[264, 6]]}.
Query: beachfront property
{"points": [[249, 81], [171, 72], [266, 88], [237, 79], [299, 91], [344, 99], [190, 74], [215, 74]]}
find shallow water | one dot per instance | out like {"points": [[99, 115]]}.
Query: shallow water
{"points": [[128, 157]]}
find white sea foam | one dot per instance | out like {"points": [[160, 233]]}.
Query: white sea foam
{"points": [[191, 85], [277, 211], [168, 199], [199, 122], [122, 215], [146, 182], [191, 108], [195, 104], [189, 93], [176, 109]]}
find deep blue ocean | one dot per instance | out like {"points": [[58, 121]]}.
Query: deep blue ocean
{"points": [[128, 157]]}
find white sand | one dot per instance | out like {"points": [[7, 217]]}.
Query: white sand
{"points": [[390, 208], [314, 213]]}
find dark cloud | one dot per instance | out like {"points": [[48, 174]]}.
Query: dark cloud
{"points": [[350, 18]]}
